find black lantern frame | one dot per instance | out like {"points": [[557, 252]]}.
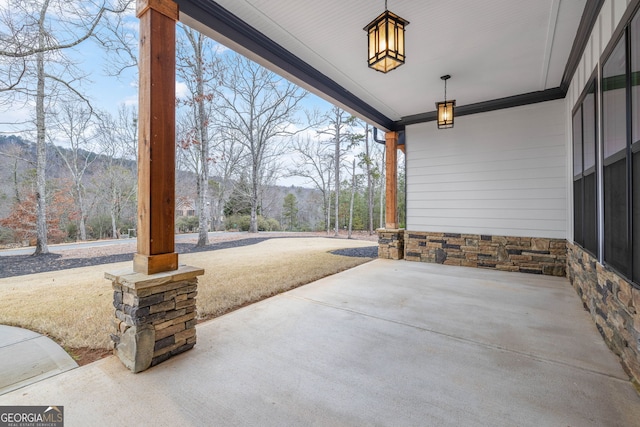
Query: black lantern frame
{"points": [[445, 109], [386, 42]]}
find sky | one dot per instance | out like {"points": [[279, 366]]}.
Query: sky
{"points": [[109, 92]]}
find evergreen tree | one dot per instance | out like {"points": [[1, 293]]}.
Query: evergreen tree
{"points": [[239, 202], [290, 211]]}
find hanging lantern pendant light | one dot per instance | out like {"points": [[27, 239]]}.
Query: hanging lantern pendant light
{"points": [[445, 108], [386, 41]]}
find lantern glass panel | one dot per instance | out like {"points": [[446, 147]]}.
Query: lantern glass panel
{"points": [[386, 42], [445, 111]]}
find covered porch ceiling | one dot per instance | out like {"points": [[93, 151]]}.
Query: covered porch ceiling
{"points": [[500, 53]]}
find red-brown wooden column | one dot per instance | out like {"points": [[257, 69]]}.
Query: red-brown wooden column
{"points": [[156, 137], [391, 217]]}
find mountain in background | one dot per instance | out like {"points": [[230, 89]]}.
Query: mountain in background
{"points": [[17, 173]]}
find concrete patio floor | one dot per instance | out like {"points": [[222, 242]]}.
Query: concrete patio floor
{"points": [[390, 343]]}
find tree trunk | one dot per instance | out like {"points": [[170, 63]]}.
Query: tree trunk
{"points": [[382, 191], [353, 196], [203, 178], [83, 215], [369, 184], [15, 181], [337, 181], [220, 211], [113, 212], [203, 226], [253, 225], [114, 227], [328, 211], [41, 157]]}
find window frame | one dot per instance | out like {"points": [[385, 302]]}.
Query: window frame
{"points": [[579, 179], [627, 33]]}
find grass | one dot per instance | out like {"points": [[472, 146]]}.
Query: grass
{"points": [[74, 307]]}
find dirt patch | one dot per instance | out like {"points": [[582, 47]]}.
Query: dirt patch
{"points": [[85, 355]]}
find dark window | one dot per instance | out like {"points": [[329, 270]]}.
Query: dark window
{"points": [[578, 236], [578, 212], [577, 143], [614, 113], [614, 101], [635, 77], [616, 247], [589, 135], [636, 212], [635, 139], [585, 217], [590, 213]]}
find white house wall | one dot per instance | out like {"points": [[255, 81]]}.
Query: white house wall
{"points": [[609, 18], [497, 173]]}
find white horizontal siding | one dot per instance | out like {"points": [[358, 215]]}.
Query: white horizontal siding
{"points": [[500, 173]]}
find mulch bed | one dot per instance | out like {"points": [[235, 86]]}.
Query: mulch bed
{"points": [[19, 265]]}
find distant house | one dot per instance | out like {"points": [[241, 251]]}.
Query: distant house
{"points": [[185, 207]]}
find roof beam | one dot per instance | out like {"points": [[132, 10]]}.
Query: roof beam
{"points": [[231, 27], [492, 105]]}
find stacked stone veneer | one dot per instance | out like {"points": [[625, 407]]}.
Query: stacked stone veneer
{"points": [[521, 254], [391, 243], [613, 303], [155, 315]]}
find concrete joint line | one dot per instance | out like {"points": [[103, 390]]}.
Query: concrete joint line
{"points": [[21, 341], [466, 340]]}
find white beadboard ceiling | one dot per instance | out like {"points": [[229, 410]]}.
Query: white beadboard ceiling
{"points": [[491, 48]]}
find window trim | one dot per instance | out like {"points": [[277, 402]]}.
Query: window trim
{"points": [[592, 86], [622, 32]]}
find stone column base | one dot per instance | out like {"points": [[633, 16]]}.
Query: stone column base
{"points": [[390, 243], [155, 315]]}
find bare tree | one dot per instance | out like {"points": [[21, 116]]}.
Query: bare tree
{"points": [[37, 34], [314, 163], [354, 181], [119, 35], [227, 166], [199, 69], [118, 141], [342, 138], [367, 162], [259, 109], [74, 123], [382, 188]]}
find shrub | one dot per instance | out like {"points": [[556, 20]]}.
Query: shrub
{"points": [[72, 231], [242, 223], [271, 224], [6, 236], [187, 224]]}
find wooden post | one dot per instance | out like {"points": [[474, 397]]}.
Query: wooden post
{"points": [[156, 137], [391, 219]]}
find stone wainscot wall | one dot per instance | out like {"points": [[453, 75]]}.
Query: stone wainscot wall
{"points": [[390, 243], [521, 254], [613, 303]]}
